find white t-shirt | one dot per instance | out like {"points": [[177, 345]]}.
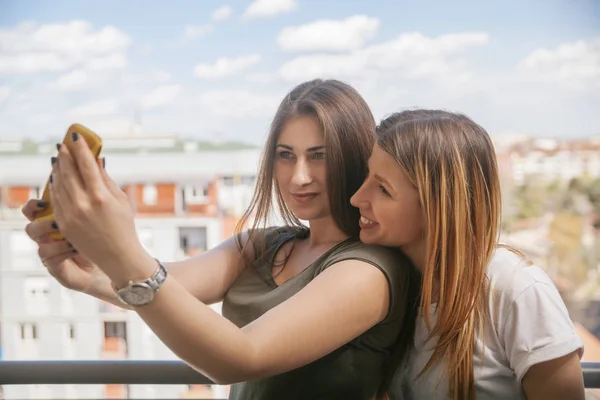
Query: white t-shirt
{"points": [[530, 324]]}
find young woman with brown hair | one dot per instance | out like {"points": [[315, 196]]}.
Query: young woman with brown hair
{"points": [[308, 312], [490, 325]]}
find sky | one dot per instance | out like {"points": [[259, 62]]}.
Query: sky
{"points": [[217, 70]]}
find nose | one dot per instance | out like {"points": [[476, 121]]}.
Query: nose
{"points": [[302, 174], [357, 198]]}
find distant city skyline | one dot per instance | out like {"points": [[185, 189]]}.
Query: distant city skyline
{"points": [[219, 69]]}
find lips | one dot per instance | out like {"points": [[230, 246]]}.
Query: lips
{"points": [[304, 197]]}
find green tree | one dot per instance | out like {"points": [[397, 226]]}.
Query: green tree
{"points": [[567, 255]]}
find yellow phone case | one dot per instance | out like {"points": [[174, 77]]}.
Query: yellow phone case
{"points": [[95, 144]]}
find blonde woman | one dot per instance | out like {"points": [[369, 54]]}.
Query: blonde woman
{"points": [[490, 325]]}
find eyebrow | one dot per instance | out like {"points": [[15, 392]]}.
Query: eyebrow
{"points": [[315, 148]]}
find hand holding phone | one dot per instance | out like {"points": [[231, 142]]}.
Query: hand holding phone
{"points": [[95, 144]]}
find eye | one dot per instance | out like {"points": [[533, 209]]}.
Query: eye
{"points": [[384, 191], [285, 154], [319, 155]]}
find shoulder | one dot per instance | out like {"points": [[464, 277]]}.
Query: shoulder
{"points": [[401, 275], [268, 239], [354, 249], [390, 260], [511, 276], [528, 313]]}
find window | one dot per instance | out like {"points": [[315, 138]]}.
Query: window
{"points": [[115, 329], [195, 194], [192, 240], [150, 194], [37, 295], [35, 192], [248, 180], [29, 331], [228, 180]]}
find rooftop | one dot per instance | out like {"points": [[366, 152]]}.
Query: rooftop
{"points": [[180, 167]]}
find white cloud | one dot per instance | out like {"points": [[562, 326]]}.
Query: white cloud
{"points": [[70, 82], [409, 56], [29, 48], [197, 31], [263, 77], [160, 75], [112, 61], [226, 66], [238, 104], [268, 8], [222, 13], [574, 62], [105, 106], [4, 93], [161, 96], [329, 35], [146, 79]]}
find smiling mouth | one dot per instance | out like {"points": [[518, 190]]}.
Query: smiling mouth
{"points": [[366, 223]]}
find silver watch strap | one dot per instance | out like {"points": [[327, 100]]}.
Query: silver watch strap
{"points": [[154, 282]]}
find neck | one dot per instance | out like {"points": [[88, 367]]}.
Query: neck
{"points": [[324, 231], [416, 253]]}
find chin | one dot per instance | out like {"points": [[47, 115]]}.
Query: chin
{"points": [[366, 238], [307, 215]]}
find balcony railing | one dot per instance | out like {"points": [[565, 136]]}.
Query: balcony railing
{"points": [[141, 372]]}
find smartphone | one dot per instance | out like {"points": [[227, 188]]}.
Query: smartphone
{"points": [[94, 143]]}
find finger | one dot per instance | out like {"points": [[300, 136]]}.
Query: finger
{"points": [[67, 179], [38, 231], [110, 184], [58, 200], [87, 165], [55, 264], [31, 207], [47, 251]]}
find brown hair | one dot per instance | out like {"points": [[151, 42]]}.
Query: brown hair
{"points": [[451, 162], [349, 129]]}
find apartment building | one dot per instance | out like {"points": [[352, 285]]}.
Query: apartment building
{"points": [[553, 159], [185, 203]]}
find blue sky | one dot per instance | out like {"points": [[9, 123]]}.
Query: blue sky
{"points": [[516, 67]]}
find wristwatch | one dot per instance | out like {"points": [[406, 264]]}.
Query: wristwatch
{"points": [[141, 293]]}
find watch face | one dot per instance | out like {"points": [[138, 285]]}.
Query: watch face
{"points": [[137, 295]]}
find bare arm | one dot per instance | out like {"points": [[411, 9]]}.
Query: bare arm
{"points": [[341, 303], [558, 379], [207, 276]]}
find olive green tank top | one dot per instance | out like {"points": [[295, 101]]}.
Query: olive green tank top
{"points": [[352, 372]]}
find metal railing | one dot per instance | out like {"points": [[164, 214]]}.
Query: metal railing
{"points": [[142, 372]]}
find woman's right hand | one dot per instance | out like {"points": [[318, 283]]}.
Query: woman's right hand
{"points": [[69, 268]]}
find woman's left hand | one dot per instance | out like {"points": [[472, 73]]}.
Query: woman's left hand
{"points": [[95, 215]]}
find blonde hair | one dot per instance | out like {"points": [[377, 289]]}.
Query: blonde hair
{"points": [[451, 162]]}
